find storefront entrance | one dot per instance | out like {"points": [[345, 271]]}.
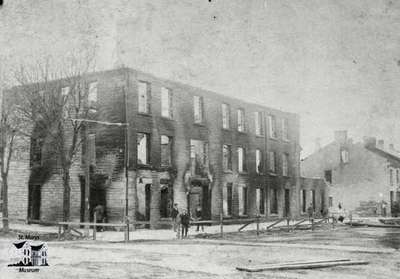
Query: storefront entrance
{"points": [[200, 195]]}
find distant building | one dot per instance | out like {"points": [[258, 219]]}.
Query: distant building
{"points": [[186, 145], [363, 176]]}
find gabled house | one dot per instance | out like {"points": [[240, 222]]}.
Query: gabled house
{"points": [[364, 176], [28, 254]]}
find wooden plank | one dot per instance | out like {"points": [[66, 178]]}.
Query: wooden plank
{"points": [[93, 224], [275, 223], [305, 265], [298, 223], [245, 225], [78, 232]]}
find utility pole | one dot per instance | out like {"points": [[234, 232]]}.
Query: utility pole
{"points": [[87, 178], [127, 168]]}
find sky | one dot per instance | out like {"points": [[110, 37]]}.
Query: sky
{"points": [[334, 62]]}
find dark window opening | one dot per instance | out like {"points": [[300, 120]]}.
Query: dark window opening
{"points": [[166, 150], [229, 198], [274, 201], [328, 176]]}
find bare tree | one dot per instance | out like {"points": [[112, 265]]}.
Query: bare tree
{"points": [[52, 98], [12, 129]]}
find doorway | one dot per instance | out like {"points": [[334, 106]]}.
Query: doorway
{"points": [[287, 203], [166, 200], [148, 201], [97, 195], [35, 196]]}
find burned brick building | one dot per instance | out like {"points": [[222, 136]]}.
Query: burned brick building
{"points": [[185, 145]]}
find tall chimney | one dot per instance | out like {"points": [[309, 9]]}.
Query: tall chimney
{"points": [[381, 144], [340, 136]]}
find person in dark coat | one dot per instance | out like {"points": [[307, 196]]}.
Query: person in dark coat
{"points": [[310, 211], [199, 217], [174, 216], [99, 215], [185, 221]]}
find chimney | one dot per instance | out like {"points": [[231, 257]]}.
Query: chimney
{"points": [[317, 144], [370, 142], [340, 136], [391, 147], [381, 144]]}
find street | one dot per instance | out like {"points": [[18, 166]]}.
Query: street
{"points": [[216, 258]]}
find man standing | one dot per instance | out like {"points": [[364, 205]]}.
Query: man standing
{"points": [[99, 216], [185, 221], [199, 217], [174, 216]]}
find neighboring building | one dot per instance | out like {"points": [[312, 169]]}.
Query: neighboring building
{"points": [[364, 177], [186, 145]]}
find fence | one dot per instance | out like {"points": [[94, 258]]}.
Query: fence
{"points": [[72, 226]]}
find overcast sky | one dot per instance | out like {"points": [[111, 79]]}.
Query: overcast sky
{"points": [[333, 62]]}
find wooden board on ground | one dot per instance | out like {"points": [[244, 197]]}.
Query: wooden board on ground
{"points": [[300, 265]]}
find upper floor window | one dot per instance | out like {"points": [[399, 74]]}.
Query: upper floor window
{"points": [[166, 150], [198, 156], [143, 148], [198, 109], [92, 95], [344, 156], [144, 95], [259, 161], [166, 102], [285, 164], [258, 123], [328, 176], [391, 176], [227, 157], [241, 159], [240, 120], [225, 116], [285, 129], [397, 176], [272, 161], [272, 126]]}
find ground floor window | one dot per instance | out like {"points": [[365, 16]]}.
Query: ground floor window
{"points": [[228, 199], [242, 199], [260, 200], [303, 200], [313, 199], [274, 201]]}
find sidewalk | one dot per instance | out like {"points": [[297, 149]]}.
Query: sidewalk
{"points": [[147, 234]]}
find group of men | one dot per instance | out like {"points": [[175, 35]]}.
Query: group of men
{"points": [[181, 220]]}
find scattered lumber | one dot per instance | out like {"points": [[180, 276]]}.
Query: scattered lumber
{"points": [[301, 265], [360, 224]]}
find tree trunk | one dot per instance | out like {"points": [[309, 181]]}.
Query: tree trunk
{"points": [[5, 203], [66, 195]]}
